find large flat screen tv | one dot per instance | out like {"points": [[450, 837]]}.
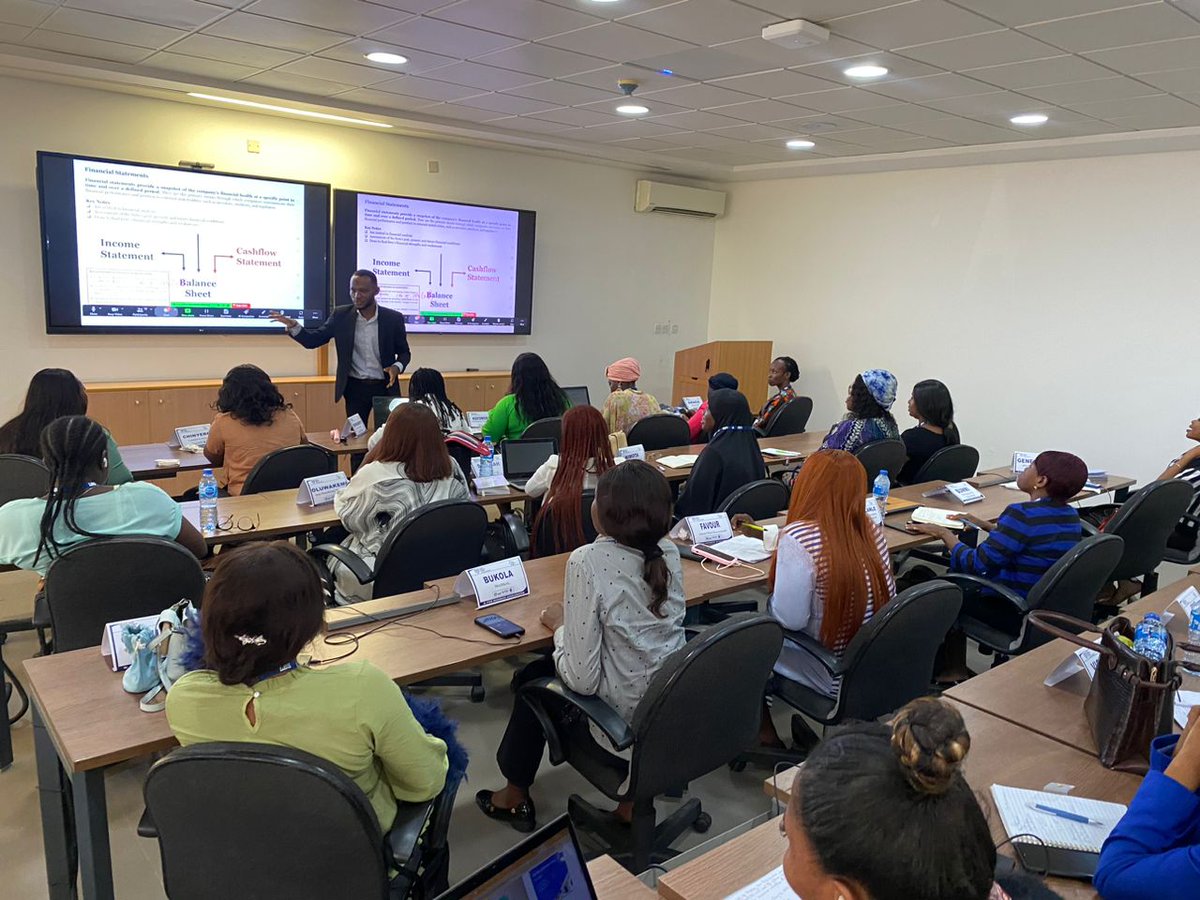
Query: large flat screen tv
{"points": [[133, 247], [450, 268]]}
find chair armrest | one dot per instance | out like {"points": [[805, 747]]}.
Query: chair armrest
{"points": [[348, 558], [1089, 529], [541, 690], [1013, 598], [404, 837], [831, 662]]}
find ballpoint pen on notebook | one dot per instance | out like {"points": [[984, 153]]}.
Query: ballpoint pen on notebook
{"points": [[1063, 814]]}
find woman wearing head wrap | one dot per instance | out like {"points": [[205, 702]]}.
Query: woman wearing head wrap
{"points": [[715, 383], [626, 405], [731, 459], [868, 400]]}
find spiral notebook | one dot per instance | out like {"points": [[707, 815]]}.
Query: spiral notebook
{"points": [[1015, 806]]}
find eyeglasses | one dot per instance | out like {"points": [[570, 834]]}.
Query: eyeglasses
{"points": [[242, 523]]}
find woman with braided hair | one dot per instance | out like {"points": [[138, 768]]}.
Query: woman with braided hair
{"points": [[79, 506]]}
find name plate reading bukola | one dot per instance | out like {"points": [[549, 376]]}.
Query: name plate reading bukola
{"points": [[494, 582], [320, 489]]}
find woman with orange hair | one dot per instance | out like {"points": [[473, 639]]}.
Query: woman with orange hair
{"points": [[832, 571], [586, 455]]}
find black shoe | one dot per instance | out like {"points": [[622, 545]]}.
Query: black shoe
{"points": [[522, 817]]}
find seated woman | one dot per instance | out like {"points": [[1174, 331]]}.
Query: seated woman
{"points": [[868, 400], [883, 812], [1154, 852], [625, 406], [262, 607], [35, 532], [931, 406], [832, 571], [428, 387], [532, 394], [731, 459], [252, 420], [408, 469], [562, 479], [720, 381], [1187, 468], [622, 615], [783, 374], [52, 394]]}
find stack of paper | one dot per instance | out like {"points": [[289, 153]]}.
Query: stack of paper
{"points": [[679, 461], [927, 515], [772, 886], [747, 549]]}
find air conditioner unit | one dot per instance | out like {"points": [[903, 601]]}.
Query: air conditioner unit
{"points": [[655, 196]]}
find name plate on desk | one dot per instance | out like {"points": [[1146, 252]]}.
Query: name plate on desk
{"points": [[475, 420], [493, 583], [705, 529], [189, 436], [691, 404], [320, 489], [1188, 601], [112, 644], [637, 451], [1022, 461], [353, 426], [1082, 660], [964, 493]]}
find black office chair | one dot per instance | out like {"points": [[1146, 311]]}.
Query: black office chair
{"points": [[659, 431], [1144, 522], [286, 469], [792, 418], [879, 455], [543, 542], [544, 428], [700, 710], [435, 541], [109, 579], [954, 463], [761, 499], [886, 664], [260, 820], [1069, 586], [1188, 528], [22, 477]]}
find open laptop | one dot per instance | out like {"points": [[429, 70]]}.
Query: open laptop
{"points": [[523, 457], [382, 407], [578, 395], [545, 866]]}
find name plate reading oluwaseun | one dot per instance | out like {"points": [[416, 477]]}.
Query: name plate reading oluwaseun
{"points": [[494, 582]]}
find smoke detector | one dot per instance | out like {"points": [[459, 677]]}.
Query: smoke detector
{"points": [[795, 34]]}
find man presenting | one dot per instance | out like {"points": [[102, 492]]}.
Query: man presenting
{"points": [[372, 346]]}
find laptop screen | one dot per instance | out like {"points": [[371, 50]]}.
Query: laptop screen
{"points": [[578, 395], [383, 406], [522, 458], [545, 866]]}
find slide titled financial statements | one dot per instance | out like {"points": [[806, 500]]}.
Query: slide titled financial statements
{"points": [[441, 264], [159, 247]]}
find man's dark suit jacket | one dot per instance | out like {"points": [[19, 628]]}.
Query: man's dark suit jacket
{"points": [[339, 327]]}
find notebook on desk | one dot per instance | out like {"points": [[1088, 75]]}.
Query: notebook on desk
{"points": [[928, 515], [1049, 840]]}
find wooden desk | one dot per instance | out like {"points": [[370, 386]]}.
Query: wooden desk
{"points": [[277, 513], [339, 448], [139, 458], [613, 881], [807, 443], [727, 868]]}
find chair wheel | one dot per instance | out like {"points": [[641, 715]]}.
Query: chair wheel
{"points": [[738, 765], [478, 693], [703, 823]]}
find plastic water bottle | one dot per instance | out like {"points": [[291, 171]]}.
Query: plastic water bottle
{"points": [[208, 502], [1193, 637], [881, 489], [1150, 638], [487, 462]]}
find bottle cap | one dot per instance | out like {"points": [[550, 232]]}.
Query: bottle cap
{"points": [[206, 472]]}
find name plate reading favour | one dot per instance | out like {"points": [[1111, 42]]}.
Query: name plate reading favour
{"points": [[709, 528], [494, 582], [1022, 461], [353, 426], [964, 493], [112, 643], [636, 451], [320, 489], [475, 420], [691, 404], [189, 436]]}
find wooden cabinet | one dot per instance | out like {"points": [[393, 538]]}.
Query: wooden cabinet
{"points": [[297, 395], [179, 406], [494, 388], [322, 413], [747, 361], [124, 413]]}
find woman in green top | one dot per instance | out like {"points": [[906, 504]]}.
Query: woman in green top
{"points": [[261, 608], [532, 395], [52, 394]]}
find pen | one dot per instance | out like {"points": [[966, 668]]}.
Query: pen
{"points": [[753, 527], [1063, 814]]}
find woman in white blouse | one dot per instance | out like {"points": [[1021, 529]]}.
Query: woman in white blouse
{"points": [[621, 617]]}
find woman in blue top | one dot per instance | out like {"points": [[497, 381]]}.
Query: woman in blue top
{"points": [[1154, 852], [867, 419]]}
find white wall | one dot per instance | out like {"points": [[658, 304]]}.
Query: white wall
{"points": [[604, 274], [1058, 300]]}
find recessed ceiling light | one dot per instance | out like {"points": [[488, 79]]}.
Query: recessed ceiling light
{"points": [[865, 72], [388, 59], [1030, 119], [328, 117], [800, 144], [630, 109]]}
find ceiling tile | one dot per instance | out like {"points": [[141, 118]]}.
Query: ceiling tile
{"points": [[822, 123], [904, 114], [333, 70], [507, 103], [385, 99], [1176, 81], [13, 34], [465, 113], [1158, 105], [616, 42], [898, 68], [356, 51], [89, 47], [187, 14], [930, 87], [750, 132], [111, 28], [657, 107], [819, 10], [1084, 126], [297, 84], [538, 126], [704, 22], [191, 65], [561, 93], [526, 19], [641, 143], [997, 106], [579, 117], [242, 26], [347, 16], [1160, 56], [993, 49], [964, 131], [918, 22], [1038, 72], [699, 96], [1026, 12], [701, 64], [487, 78], [844, 100], [778, 83], [447, 38], [699, 139], [543, 61], [417, 7], [24, 12], [1115, 88], [606, 79], [766, 55], [209, 47], [628, 128], [614, 10], [696, 121], [428, 89], [1117, 28], [762, 110], [1152, 120], [874, 137]]}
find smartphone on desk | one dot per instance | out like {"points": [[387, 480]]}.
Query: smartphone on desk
{"points": [[499, 625]]}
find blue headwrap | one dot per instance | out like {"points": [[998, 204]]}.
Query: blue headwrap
{"points": [[882, 385]]}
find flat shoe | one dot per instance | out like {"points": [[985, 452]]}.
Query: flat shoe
{"points": [[522, 817]]}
